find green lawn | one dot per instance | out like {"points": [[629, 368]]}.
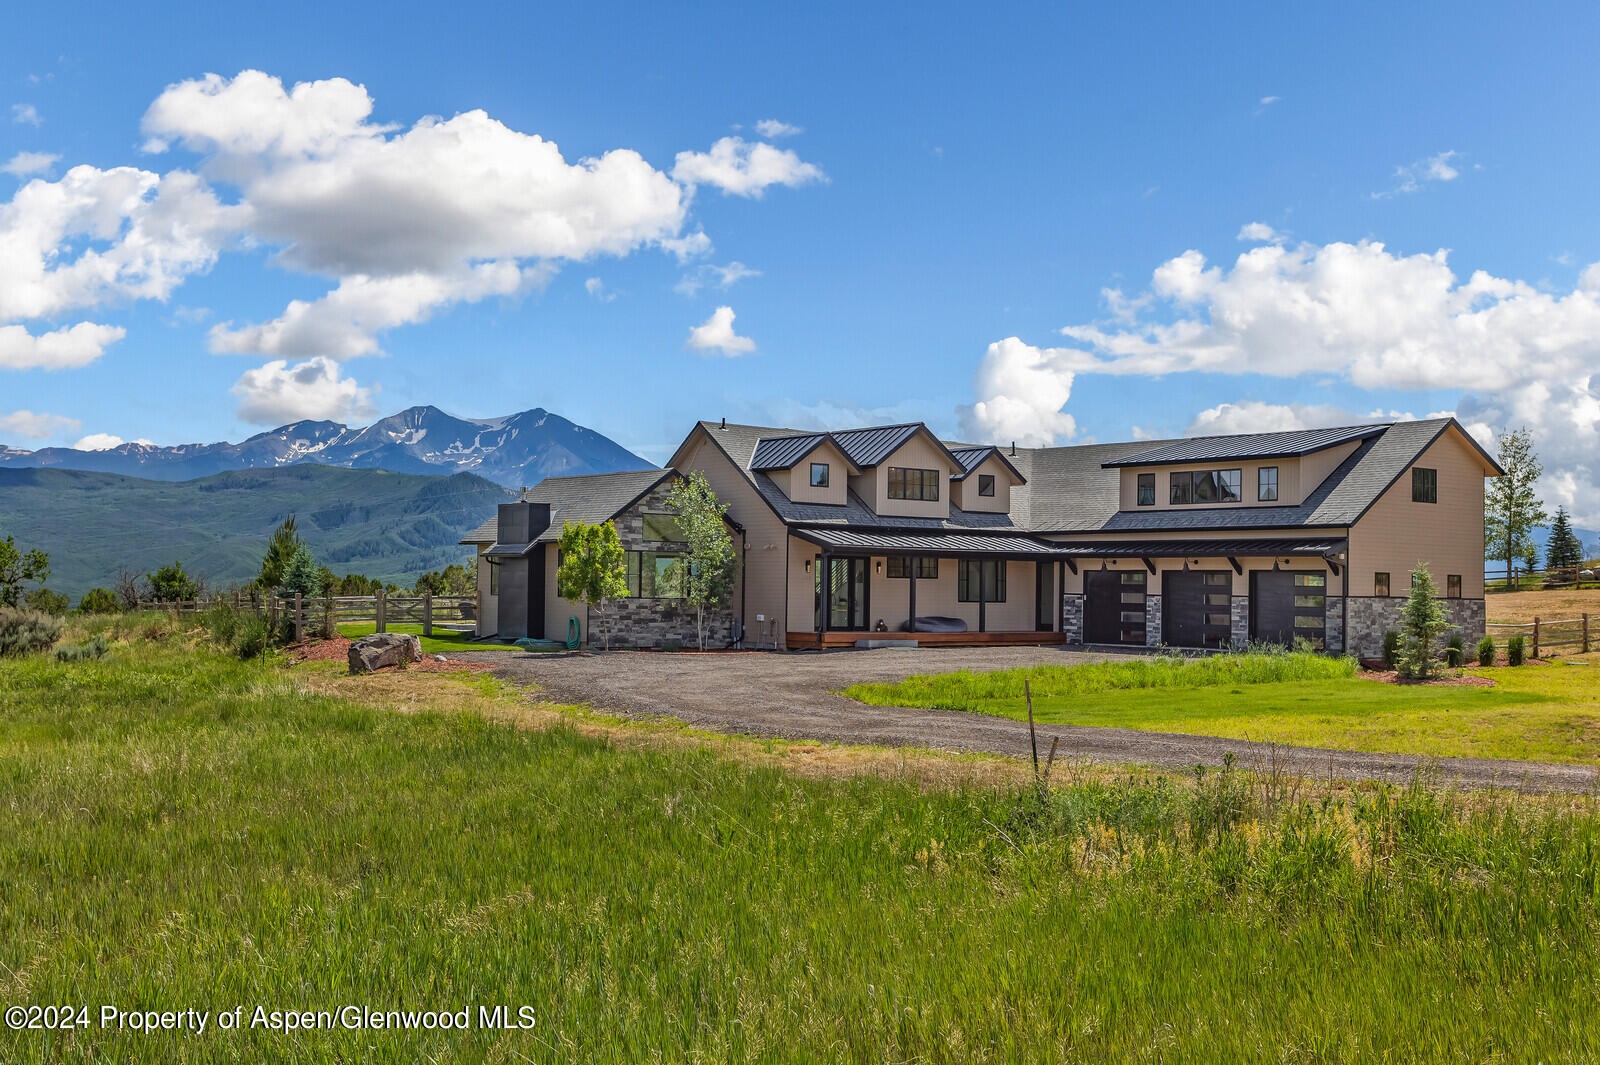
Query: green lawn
{"points": [[1540, 713], [441, 641], [180, 829]]}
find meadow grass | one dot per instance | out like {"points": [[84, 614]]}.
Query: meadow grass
{"points": [[179, 828], [1536, 713]]}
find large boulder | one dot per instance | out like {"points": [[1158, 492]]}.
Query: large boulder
{"points": [[384, 649]]}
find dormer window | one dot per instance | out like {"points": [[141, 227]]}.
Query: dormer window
{"points": [[1267, 484], [986, 484], [907, 483], [819, 475], [1205, 486]]}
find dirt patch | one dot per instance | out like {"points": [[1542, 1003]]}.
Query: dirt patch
{"points": [[1459, 680], [338, 650]]}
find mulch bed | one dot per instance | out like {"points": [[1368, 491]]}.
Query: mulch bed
{"points": [[338, 650], [1389, 676]]}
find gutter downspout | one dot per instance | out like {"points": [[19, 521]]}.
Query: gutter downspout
{"points": [[744, 585]]}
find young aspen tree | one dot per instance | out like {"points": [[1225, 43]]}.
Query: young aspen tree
{"points": [[703, 577]]}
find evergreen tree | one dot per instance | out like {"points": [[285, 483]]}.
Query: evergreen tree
{"points": [[280, 549], [301, 575], [1422, 622], [170, 584], [1564, 550], [1511, 511]]}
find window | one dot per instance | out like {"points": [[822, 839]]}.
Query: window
{"points": [[494, 578], [1147, 489], [986, 484], [819, 475], [913, 484], [994, 581], [1452, 586], [1424, 485], [662, 528], [900, 567], [1205, 486], [647, 574], [1380, 584], [1267, 484]]}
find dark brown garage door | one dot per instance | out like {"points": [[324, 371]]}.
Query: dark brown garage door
{"points": [[1113, 607], [1285, 604], [1195, 608]]}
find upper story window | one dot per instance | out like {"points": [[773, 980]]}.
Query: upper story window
{"points": [[1267, 484], [986, 484], [1205, 486], [661, 528], [1147, 489], [1424, 485], [819, 475], [905, 483]]}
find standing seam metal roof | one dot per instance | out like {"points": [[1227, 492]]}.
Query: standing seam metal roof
{"points": [[1286, 444]]}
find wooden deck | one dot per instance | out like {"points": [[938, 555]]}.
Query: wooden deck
{"points": [[800, 641]]}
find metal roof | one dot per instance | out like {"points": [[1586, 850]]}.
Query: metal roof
{"points": [[868, 447], [1248, 446], [1202, 548], [945, 544], [511, 550], [782, 452], [970, 458]]}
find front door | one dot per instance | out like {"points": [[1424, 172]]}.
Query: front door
{"points": [[845, 595], [1044, 598], [1195, 608]]}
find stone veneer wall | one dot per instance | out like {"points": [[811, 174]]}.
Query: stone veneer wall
{"points": [[651, 623], [1333, 624], [1372, 616], [1239, 621], [1152, 620], [1072, 617]]}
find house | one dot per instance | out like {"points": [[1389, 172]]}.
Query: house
{"points": [[888, 532]]}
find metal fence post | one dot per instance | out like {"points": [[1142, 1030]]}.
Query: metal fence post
{"points": [[427, 613], [382, 617]]}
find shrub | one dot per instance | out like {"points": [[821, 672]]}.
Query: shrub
{"points": [[1516, 650], [1486, 651], [47, 602], [250, 637], [83, 652], [99, 601], [1454, 652], [23, 632], [1391, 649], [170, 584], [222, 621]]}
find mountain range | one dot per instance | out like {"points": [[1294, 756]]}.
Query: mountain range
{"points": [[515, 450]]}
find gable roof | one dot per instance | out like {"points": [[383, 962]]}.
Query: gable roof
{"points": [[970, 458], [1287, 444], [592, 498]]}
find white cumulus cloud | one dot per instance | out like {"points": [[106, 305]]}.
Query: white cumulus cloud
{"points": [[26, 164], [278, 393], [105, 442], [31, 426], [62, 349], [772, 128], [743, 168], [1021, 391], [716, 334]]}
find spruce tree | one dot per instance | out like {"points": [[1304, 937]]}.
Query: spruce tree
{"points": [[280, 549], [1564, 551], [1511, 510], [1422, 622]]}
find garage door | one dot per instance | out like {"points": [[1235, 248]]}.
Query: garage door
{"points": [[1195, 608], [1285, 604], [1114, 607]]}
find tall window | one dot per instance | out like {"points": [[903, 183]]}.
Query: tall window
{"points": [[1452, 585], [986, 484], [907, 483], [661, 528], [1380, 584], [993, 576], [1147, 489], [819, 475], [647, 574], [1205, 486], [1424, 485], [926, 568], [1267, 483], [494, 579]]}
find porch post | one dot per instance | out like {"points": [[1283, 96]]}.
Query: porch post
{"points": [[983, 591], [911, 620], [824, 586], [1059, 605]]}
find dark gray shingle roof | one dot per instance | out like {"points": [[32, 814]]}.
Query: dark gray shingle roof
{"points": [[1287, 444], [592, 498]]}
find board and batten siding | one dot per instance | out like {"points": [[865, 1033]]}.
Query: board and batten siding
{"points": [[1297, 478], [918, 453], [964, 493]]}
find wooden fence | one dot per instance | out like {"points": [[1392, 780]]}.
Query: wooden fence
{"points": [[449, 613], [1553, 633]]}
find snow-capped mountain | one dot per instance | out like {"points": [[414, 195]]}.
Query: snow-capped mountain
{"points": [[519, 449]]}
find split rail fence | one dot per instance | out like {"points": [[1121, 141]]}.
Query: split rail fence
{"points": [[448, 613], [1579, 632]]}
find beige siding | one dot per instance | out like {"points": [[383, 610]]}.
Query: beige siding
{"points": [[1396, 533], [964, 493], [765, 540], [488, 616], [798, 481], [558, 610], [1297, 478], [917, 453]]}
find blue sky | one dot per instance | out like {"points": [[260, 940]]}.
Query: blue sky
{"points": [[964, 185]]}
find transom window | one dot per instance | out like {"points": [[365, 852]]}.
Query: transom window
{"points": [[900, 566], [819, 475], [647, 574], [986, 484], [1424, 485], [1267, 484], [993, 576], [1147, 489], [662, 528], [1380, 584], [907, 483], [1205, 486]]}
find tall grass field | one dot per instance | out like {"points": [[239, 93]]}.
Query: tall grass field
{"points": [[182, 829]]}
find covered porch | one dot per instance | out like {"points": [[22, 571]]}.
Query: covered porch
{"points": [[930, 589]]}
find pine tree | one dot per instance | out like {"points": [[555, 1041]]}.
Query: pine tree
{"points": [[1564, 551], [1511, 511], [301, 575], [1422, 622], [280, 549]]}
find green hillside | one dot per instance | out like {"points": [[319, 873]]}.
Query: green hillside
{"points": [[393, 526]]}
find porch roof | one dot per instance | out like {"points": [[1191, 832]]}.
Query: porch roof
{"points": [[941, 544], [1320, 546]]}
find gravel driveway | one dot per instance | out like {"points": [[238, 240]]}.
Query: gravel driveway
{"points": [[790, 696]]}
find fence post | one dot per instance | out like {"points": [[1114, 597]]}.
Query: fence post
{"points": [[1536, 637], [1586, 634], [329, 629], [299, 619], [382, 614], [272, 616]]}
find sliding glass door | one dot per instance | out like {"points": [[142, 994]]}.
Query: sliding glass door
{"points": [[844, 595]]}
